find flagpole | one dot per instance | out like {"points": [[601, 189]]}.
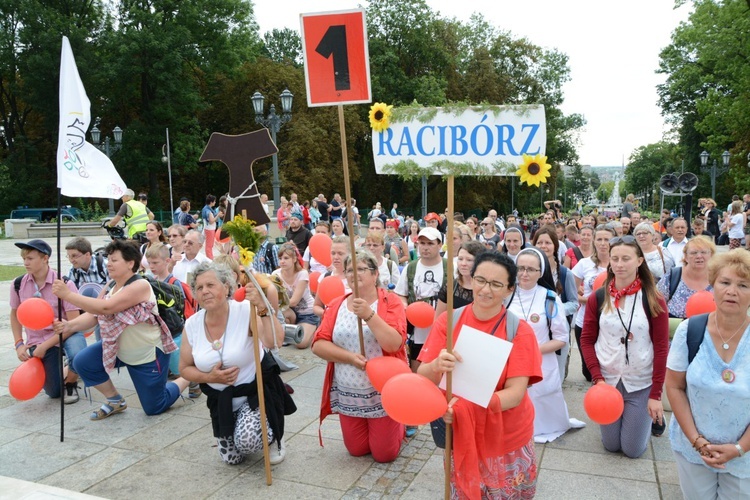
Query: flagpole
{"points": [[59, 318]]}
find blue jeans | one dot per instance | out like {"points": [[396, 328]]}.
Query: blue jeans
{"points": [[149, 379], [51, 361]]}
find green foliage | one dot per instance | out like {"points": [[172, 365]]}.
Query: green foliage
{"points": [[91, 212]]}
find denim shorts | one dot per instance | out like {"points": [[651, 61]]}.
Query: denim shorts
{"points": [[310, 319]]}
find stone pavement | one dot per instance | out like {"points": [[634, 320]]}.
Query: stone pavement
{"points": [[131, 455]]}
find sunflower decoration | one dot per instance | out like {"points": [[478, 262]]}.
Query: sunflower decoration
{"points": [[243, 233], [380, 116], [534, 170]]}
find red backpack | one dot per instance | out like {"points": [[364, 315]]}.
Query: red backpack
{"points": [[191, 306]]}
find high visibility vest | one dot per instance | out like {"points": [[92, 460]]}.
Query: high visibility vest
{"points": [[138, 219]]}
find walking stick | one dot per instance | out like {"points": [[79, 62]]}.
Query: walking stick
{"points": [[261, 396]]}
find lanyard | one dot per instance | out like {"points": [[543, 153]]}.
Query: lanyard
{"points": [[628, 335]]}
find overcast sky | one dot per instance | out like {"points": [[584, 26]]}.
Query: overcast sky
{"points": [[613, 50]]}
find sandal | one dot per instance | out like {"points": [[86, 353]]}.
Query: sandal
{"points": [[109, 408]]}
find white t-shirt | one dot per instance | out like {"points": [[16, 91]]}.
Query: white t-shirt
{"points": [[305, 304], [388, 273], [586, 271], [236, 346], [737, 231], [427, 283]]}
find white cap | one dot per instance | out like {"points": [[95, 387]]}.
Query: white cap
{"points": [[430, 233]]}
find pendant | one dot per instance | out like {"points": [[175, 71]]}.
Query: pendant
{"points": [[725, 346], [534, 318], [216, 345], [727, 376]]}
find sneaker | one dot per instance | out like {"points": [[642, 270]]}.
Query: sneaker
{"points": [[657, 429], [194, 390], [411, 431], [277, 452], [71, 393]]}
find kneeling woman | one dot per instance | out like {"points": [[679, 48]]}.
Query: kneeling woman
{"points": [[218, 353], [347, 390], [624, 343], [132, 336]]}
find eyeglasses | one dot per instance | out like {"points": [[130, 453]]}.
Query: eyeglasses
{"points": [[360, 270], [529, 270], [643, 234], [622, 239], [693, 253], [495, 286]]}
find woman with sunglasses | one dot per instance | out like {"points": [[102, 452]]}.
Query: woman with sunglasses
{"points": [[296, 279], [535, 300], [347, 390], [489, 236], [625, 342], [658, 261], [545, 239], [692, 277], [176, 236], [584, 249], [586, 272], [493, 447]]}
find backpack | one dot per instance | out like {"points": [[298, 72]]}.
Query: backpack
{"points": [[169, 301], [578, 253], [191, 305], [17, 283], [411, 271], [675, 275], [696, 328], [600, 303]]}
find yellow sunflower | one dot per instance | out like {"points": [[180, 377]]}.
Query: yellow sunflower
{"points": [[380, 116], [534, 170]]}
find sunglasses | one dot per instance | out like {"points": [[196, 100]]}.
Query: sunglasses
{"points": [[622, 239]]}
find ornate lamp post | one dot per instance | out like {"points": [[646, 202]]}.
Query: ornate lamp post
{"points": [[108, 149], [273, 123], [713, 169]]}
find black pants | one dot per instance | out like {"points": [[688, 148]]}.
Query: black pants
{"points": [[584, 368]]}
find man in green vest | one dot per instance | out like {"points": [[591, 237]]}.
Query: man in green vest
{"points": [[136, 216]]}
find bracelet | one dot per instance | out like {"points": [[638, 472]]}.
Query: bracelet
{"points": [[370, 316], [740, 450], [19, 343], [262, 312], [696, 440]]}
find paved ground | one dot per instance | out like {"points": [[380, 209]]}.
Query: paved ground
{"points": [[173, 455]]}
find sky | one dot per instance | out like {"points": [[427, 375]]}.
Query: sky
{"points": [[613, 50]]}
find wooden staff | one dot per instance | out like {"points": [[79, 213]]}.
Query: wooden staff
{"points": [[259, 376], [350, 223], [449, 335]]}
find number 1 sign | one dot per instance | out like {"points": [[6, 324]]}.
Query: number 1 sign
{"points": [[337, 65]]}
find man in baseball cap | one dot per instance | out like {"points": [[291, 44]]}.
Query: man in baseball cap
{"points": [[43, 343]]}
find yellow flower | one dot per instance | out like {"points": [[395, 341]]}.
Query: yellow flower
{"points": [[246, 256], [534, 170], [380, 116]]}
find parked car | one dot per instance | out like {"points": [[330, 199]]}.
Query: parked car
{"points": [[69, 214]]}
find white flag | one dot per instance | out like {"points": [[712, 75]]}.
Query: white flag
{"points": [[82, 170]]}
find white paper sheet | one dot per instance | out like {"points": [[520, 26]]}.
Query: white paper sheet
{"points": [[484, 358]]}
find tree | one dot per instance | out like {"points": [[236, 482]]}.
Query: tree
{"points": [[283, 46], [648, 164]]}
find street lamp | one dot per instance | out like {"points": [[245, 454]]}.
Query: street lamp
{"points": [[713, 169], [167, 158], [108, 149], [273, 123]]}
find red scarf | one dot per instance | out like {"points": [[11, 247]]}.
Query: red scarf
{"points": [[631, 289]]}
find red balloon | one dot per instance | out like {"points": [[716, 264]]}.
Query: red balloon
{"points": [[412, 399], [35, 313], [381, 369], [27, 380], [320, 248], [700, 303], [420, 314], [330, 288], [599, 281], [239, 294], [603, 404], [314, 278]]}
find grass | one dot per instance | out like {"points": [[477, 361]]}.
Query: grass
{"points": [[8, 273]]}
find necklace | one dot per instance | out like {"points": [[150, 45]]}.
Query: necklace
{"points": [[216, 344], [725, 344], [531, 304]]}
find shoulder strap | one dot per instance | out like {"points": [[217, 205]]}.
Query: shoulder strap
{"points": [[578, 253], [100, 267], [456, 315], [17, 285], [411, 271], [696, 331], [511, 326], [599, 293], [550, 313], [445, 272], [675, 274], [562, 278]]}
